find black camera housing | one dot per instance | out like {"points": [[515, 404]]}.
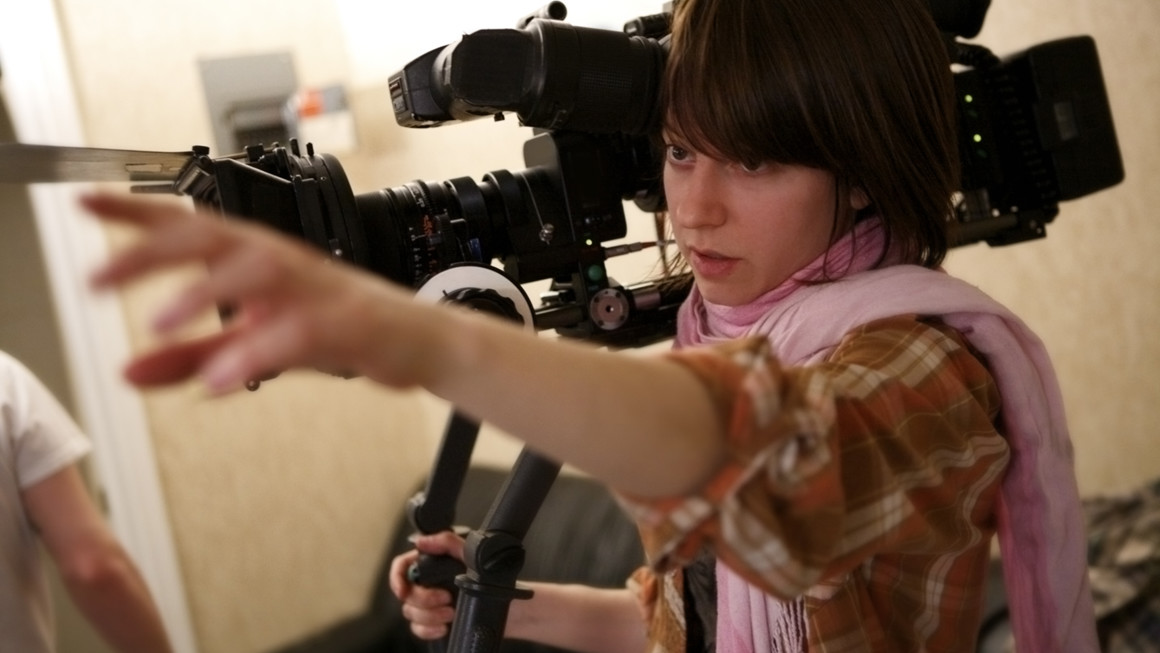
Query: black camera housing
{"points": [[1035, 128]]}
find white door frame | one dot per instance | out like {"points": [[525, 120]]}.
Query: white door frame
{"points": [[38, 90]]}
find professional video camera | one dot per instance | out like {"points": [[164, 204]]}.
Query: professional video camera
{"points": [[591, 94], [1036, 129]]}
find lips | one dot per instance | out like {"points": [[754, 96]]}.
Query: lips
{"points": [[709, 264]]}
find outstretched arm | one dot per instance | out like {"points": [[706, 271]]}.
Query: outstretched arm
{"points": [[100, 577], [645, 425]]}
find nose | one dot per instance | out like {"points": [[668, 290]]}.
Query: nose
{"points": [[695, 196]]}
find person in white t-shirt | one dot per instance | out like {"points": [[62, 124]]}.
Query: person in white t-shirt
{"points": [[43, 500]]}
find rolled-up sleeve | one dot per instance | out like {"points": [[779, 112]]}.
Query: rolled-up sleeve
{"points": [[888, 445]]}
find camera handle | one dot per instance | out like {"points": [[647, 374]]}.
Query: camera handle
{"points": [[483, 585], [495, 557], [433, 509], [483, 588]]}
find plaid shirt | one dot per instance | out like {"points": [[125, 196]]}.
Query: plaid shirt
{"points": [[864, 486]]}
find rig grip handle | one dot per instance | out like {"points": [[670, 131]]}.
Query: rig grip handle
{"points": [[437, 571]]}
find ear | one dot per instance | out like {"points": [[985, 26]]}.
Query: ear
{"points": [[858, 199]]}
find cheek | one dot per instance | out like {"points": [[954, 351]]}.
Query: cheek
{"points": [[797, 229], [671, 186], [819, 210]]}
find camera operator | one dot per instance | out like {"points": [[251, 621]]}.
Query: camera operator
{"points": [[823, 460]]}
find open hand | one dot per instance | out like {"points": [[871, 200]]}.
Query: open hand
{"points": [[292, 305]]}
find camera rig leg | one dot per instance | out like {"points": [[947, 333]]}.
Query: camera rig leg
{"points": [[494, 554], [433, 509], [495, 557], [485, 584]]}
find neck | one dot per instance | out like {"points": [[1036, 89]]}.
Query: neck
{"points": [[860, 249]]}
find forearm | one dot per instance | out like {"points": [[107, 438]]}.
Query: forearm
{"points": [[113, 597], [97, 572], [608, 413], [579, 618]]}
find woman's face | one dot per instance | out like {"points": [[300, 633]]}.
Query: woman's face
{"points": [[745, 230]]}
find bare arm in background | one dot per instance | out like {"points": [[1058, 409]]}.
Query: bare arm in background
{"points": [[101, 579]]}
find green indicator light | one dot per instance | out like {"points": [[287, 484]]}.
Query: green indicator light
{"points": [[588, 242], [978, 138], [969, 98]]}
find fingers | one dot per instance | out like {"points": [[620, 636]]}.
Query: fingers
{"points": [[246, 263], [441, 543], [429, 622], [279, 342], [175, 235], [294, 307], [429, 610], [222, 360], [399, 583], [173, 363], [128, 209], [430, 605], [241, 273]]}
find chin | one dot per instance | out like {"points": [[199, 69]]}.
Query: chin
{"points": [[725, 296]]}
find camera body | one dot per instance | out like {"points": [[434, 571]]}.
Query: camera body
{"points": [[1035, 129]]}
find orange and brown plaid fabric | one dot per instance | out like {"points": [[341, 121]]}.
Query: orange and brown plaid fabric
{"points": [[864, 486]]}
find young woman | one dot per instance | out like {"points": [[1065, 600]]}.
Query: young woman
{"points": [[822, 462]]}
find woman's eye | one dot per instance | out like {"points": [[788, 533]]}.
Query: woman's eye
{"points": [[752, 167], [677, 153]]}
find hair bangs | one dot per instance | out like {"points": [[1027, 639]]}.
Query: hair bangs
{"points": [[736, 93]]}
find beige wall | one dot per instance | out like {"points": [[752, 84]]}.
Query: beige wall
{"points": [[30, 331], [278, 497], [1092, 287]]}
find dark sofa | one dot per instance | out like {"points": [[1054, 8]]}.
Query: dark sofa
{"points": [[580, 535]]}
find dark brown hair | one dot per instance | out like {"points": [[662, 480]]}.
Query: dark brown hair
{"points": [[860, 88]]}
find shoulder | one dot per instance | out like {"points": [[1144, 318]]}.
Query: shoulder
{"points": [[902, 340], [37, 434], [919, 352], [22, 395], [900, 333], [15, 398], [14, 377], [21, 391]]}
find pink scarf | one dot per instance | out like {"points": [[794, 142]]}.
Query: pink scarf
{"points": [[1041, 527]]}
